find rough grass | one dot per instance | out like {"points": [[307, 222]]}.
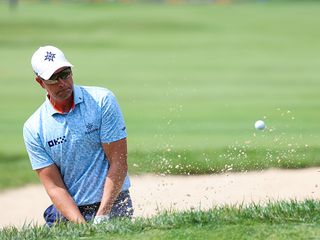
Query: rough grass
{"points": [[280, 220]]}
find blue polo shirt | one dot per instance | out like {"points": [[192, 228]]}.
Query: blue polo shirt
{"points": [[73, 140]]}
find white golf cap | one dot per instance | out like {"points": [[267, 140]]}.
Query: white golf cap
{"points": [[46, 60]]}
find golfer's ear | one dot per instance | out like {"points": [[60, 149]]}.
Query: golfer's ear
{"points": [[39, 80]]}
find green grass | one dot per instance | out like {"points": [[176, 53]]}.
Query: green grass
{"points": [[233, 159], [280, 220], [184, 162], [191, 80], [15, 171]]}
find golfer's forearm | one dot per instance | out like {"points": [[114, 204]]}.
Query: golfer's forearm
{"points": [[65, 204], [112, 188]]}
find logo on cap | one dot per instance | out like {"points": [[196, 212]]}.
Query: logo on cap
{"points": [[50, 56]]}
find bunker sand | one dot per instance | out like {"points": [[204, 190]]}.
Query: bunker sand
{"points": [[152, 194]]}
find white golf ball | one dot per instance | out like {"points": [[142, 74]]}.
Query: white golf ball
{"points": [[260, 125]]}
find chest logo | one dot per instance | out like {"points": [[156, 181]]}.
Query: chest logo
{"points": [[57, 141], [90, 128]]}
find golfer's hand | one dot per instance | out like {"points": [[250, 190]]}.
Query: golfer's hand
{"points": [[101, 219]]}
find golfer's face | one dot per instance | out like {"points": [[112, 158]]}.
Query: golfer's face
{"points": [[62, 88]]}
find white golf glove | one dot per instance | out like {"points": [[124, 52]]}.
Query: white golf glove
{"points": [[101, 218]]}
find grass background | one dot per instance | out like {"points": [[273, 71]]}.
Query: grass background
{"points": [[191, 80]]}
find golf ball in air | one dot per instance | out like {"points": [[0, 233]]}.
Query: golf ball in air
{"points": [[260, 125]]}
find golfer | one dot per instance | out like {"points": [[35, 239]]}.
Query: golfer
{"points": [[76, 142]]}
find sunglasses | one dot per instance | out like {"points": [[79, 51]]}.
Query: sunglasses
{"points": [[64, 75]]}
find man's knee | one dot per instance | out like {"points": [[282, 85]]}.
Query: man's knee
{"points": [[52, 216], [122, 207]]}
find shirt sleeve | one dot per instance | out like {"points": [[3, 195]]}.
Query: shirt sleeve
{"points": [[113, 127], [39, 158]]}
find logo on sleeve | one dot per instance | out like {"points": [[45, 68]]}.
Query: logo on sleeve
{"points": [[57, 141]]}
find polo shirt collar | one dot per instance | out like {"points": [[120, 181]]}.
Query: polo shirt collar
{"points": [[77, 96]]}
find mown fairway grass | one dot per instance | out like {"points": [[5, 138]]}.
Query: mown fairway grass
{"points": [[281, 220], [191, 80]]}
